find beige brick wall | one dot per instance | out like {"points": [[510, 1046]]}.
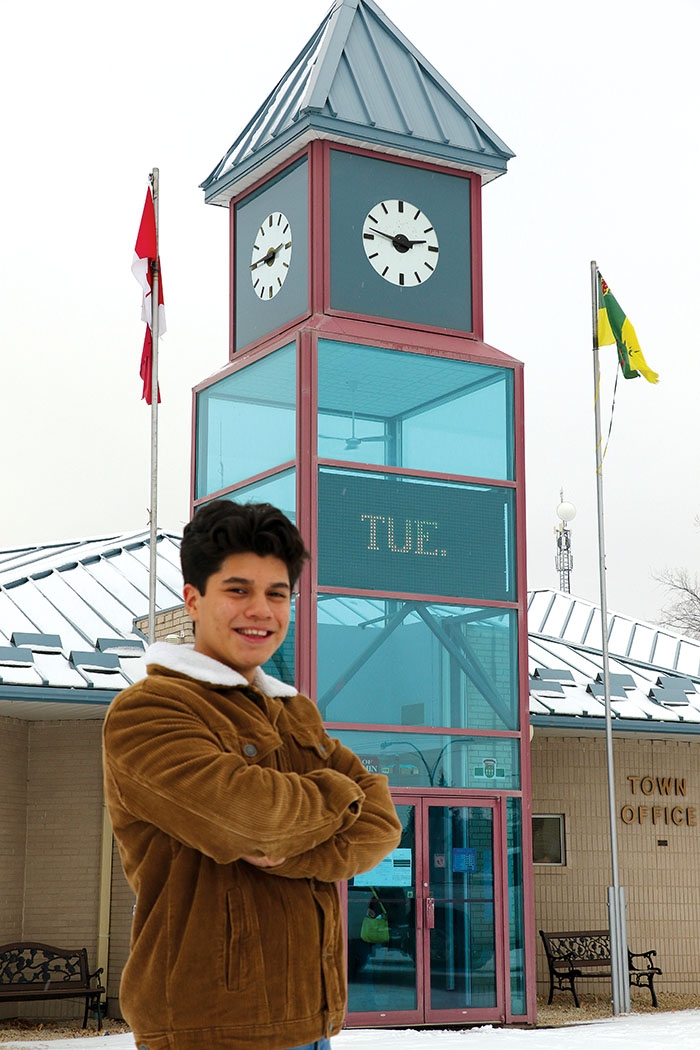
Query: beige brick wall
{"points": [[14, 744], [173, 621], [662, 883], [56, 822]]}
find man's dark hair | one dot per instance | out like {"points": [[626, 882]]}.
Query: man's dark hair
{"points": [[222, 527]]}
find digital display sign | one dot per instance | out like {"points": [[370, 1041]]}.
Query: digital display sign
{"points": [[404, 535]]}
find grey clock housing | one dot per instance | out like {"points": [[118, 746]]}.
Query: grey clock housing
{"points": [[358, 182], [288, 193]]}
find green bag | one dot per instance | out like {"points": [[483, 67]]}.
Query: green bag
{"points": [[375, 928]]}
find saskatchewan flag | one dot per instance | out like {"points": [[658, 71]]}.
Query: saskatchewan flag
{"points": [[615, 327]]}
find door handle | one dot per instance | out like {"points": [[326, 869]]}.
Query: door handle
{"points": [[430, 913]]}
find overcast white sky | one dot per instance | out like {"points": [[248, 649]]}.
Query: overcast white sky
{"points": [[599, 100]]}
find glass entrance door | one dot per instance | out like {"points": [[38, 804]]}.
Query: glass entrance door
{"points": [[424, 925]]}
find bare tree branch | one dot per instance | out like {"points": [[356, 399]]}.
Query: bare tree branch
{"points": [[682, 611]]}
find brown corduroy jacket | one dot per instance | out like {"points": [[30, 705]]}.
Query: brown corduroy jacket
{"points": [[202, 769]]}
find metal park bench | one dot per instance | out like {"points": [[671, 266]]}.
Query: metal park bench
{"points": [[30, 971], [585, 954]]}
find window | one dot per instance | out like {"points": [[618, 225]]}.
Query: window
{"points": [[384, 661], [548, 841], [246, 422], [392, 408]]}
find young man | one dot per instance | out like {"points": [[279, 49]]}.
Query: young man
{"points": [[235, 813]]}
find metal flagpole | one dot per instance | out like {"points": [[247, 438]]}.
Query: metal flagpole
{"points": [[616, 895], [153, 541]]}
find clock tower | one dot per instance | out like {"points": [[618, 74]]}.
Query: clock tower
{"points": [[360, 398]]}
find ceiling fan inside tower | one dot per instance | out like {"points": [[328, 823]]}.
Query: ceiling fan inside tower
{"points": [[353, 441]]}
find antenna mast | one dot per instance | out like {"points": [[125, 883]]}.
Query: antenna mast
{"points": [[564, 558]]}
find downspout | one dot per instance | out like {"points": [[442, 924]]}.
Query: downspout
{"points": [[105, 898]]}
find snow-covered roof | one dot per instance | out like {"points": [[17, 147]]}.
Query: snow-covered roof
{"points": [[654, 673], [67, 612], [68, 640]]}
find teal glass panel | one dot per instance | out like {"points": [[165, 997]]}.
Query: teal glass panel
{"points": [[463, 938], [390, 533], [282, 664], [246, 422], [420, 760], [279, 489], [401, 409], [383, 976], [408, 663], [516, 904]]}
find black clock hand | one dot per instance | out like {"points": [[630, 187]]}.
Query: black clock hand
{"points": [[400, 241], [389, 236], [268, 257]]}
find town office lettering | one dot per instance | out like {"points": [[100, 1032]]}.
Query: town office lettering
{"points": [[653, 813]]}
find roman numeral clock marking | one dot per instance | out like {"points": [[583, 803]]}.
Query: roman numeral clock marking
{"points": [[400, 243]]}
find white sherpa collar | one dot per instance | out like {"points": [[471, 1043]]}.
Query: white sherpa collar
{"points": [[184, 660]]}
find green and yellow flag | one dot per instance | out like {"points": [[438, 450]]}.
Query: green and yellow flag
{"points": [[615, 327]]}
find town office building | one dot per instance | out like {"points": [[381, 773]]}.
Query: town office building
{"points": [[72, 622]]}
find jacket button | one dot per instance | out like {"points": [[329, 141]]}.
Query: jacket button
{"points": [[250, 750]]}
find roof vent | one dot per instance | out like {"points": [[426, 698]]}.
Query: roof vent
{"points": [[672, 691], [39, 643], [121, 646], [105, 663], [12, 656]]}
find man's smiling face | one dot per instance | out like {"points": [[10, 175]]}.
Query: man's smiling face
{"points": [[243, 616]]}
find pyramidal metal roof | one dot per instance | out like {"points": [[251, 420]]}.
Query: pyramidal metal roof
{"points": [[360, 80], [68, 641]]}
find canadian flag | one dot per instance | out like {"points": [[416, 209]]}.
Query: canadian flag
{"points": [[144, 255]]}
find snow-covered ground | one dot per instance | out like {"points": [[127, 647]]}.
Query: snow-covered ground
{"points": [[679, 1030]]}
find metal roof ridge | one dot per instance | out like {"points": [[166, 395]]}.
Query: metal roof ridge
{"points": [[440, 81], [335, 29], [94, 549], [612, 616]]}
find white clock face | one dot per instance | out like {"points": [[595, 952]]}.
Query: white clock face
{"points": [[271, 256], [400, 243]]}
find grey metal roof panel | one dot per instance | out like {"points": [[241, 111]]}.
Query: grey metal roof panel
{"points": [[30, 600], [17, 674], [39, 557], [12, 618], [359, 78], [56, 671], [81, 598], [647, 663], [688, 657]]}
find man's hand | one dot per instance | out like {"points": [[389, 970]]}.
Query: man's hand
{"points": [[263, 862]]}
